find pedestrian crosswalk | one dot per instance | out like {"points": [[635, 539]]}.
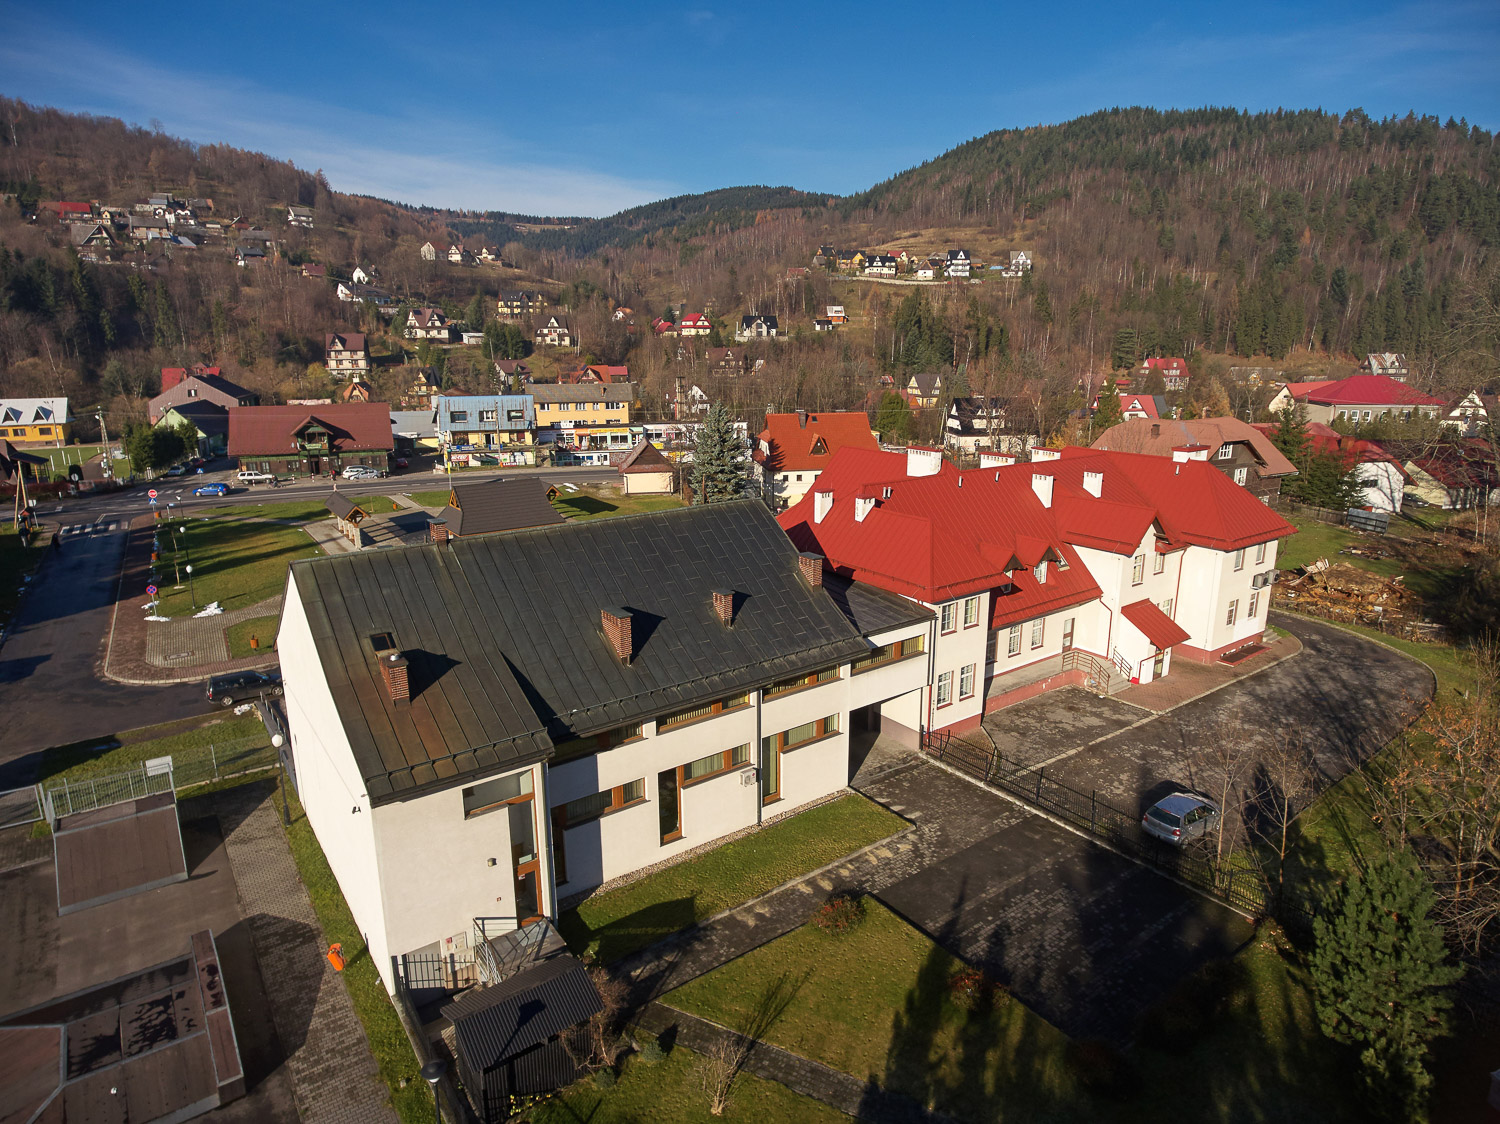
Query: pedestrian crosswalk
{"points": [[101, 527]]}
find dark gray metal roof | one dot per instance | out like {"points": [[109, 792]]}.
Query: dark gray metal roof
{"points": [[494, 1023], [501, 505], [340, 504], [873, 610], [505, 642]]}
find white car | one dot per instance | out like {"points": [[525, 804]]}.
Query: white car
{"points": [[252, 476], [360, 472]]}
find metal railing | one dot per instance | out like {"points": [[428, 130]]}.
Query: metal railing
{"points": [[210, 762], [20, 806], [68, 798]]}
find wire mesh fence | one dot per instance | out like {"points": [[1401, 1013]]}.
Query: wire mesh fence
{"points": [[20, 806], [86, 789]]}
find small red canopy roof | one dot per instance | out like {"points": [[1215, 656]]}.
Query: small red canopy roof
{"points": [[1158, 628]]}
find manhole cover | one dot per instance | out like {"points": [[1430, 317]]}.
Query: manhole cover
{"points": [[179, 655]]}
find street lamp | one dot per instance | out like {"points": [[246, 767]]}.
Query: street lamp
{"points": [[432, 1073], [191, 592]]}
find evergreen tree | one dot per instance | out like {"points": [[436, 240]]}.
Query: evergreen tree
{"points": [[1290, 434], [1379, 972], [474, 314], [1126, 350], [1108, 412], [893, 417], [720, 469]]}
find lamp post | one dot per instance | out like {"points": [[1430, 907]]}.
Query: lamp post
{"points": [[192, 594], [432, 1073]]}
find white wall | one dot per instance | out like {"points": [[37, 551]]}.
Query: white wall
{"points": [[952, 652], [1210, 582], [1381, 486]]}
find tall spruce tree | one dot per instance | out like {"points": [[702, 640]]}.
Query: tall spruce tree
{"points": [[1290, 434], [1109, 412], [1380, 972], [720, 470]]}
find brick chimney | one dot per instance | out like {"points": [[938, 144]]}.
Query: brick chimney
{"points": [[724, 605], [812, 568], [397, 683], [439, 531], [616, 624], [801, 419]]}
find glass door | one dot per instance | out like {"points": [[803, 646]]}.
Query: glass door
{"points": [[1159, 665], [770, 770], [668, 805], [522, 816], [1067, 635]]}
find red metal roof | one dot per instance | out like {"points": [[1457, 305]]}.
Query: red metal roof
{"points": [[1164, 364], [799, 447], [1157, 627], [352, 426], [1365, 390]]}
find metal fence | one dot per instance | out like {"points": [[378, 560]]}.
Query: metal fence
{"points": [[65, 795], [67, 798], [1241, 888], [20, 806]]}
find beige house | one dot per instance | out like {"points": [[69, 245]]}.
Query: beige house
{"points": [[646, 472]]}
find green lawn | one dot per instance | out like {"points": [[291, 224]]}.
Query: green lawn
{"points": [[592, 503], [236, 562], [234, 742], [668, 1092], [262, 628], [18, 558], [619, 922], [375, 505], [77, 454], [1238, 1042], [430, 499], [299, 511], [388, 1042]]}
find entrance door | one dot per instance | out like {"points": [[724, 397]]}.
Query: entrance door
{"points": [[1067, 634], [524, 859], [669, 805], [312, 466], [1159, 665]]}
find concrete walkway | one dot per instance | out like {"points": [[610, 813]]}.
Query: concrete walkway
{"points": [[334, 1076]]}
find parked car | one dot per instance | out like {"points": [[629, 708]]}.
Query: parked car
{"points": [[401, 462], [177, 470], [251, 476], [242, 686], [215, 489], [1180, 817], [360, 472], [197, 462]]}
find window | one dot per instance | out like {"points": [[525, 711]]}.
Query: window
{"points": [[489, 795], [487, 416], [1166, 606], [1241, 475], [1234, 611], [1226, 451], [1260, 553], [587, 808], [950, 617], [594, 743], [382, 642], [945, 688], [886, 653], [1239, 559], [1013, 644], [718, 706], [966, 681], [772, 747], [1038, 631], [1158, 563], [971, 612], [1254, 604], [991, 646], [797, 682], [1041, 572], [1138, 569], [515, 415], [716, 763], [457, 416]]}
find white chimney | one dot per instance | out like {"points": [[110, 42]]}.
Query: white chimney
{"points": [[923, 462], [822, 504], [1038, 454], [863, 505], [1093, 483], [1041, 484], [996, 460], [1184, 453]]}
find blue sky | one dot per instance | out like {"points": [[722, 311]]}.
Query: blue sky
{"points": [[590, 108]]}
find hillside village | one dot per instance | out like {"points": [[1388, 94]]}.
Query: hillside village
{"points": [[634, 647]]}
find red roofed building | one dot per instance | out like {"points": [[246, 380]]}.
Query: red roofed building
{"points": [[1382, 479], [694, 324], [1087, 566], [793, 449], [1174, 372], [1357, 400], [311, 440], [595, 373]]}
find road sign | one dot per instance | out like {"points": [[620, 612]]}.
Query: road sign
{"points": [[151, 589], [152, 493]]}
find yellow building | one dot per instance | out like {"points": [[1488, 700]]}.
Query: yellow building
{"points": [[35, 421], [566, 405]]}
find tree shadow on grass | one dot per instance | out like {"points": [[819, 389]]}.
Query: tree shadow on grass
{"points": [[619, 937], [576, 506]]}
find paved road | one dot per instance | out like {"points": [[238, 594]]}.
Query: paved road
{"points": [[51, 692]]}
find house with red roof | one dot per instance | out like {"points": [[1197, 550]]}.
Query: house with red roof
{"points": [[1134, 406], [595, 373], [1174, 372], [1081, 566], [694, 324], [793, 449], [1239, 450], [311, 440], [1358, 400], [1382, 479]]}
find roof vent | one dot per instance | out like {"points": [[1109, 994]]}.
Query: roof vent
{"points": [[1093, 483], [812, 568], [996, 460], [724, 605], [1041, 484], [616, 624], [1045, 454], [393, 670], [822, 505]]}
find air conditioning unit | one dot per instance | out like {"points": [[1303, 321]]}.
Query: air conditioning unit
{"points": [[1257, 581], [749, 777]]}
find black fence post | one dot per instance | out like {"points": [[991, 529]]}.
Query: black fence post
{"points": [[1093, 807], [1040, 775]]}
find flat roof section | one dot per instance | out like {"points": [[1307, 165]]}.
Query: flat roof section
{"points": [[153, 1045], [117, 850]]}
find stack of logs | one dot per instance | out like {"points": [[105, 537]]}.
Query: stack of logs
{"points": [[1349, 595]]}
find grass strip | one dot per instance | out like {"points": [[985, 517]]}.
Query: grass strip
{"points": [[262, 628]]}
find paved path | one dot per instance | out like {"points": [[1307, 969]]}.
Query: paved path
{"points": [[334, 1076]]}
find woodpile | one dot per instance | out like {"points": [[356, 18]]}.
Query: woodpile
{"points": [[1349, 595]]}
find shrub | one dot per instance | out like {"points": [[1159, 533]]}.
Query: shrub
{"points": [[651, 1051], [972, 989], [839, 913], [605, 1078]]}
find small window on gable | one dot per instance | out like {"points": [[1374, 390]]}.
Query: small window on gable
{"points": [[382, 642], [819, 448]]}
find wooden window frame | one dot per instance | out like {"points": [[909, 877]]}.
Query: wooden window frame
{"points": [[971, 602], [726, 764], [799, 682], [948, 618], [1013, 642], [1254, 604], [715, 708], [1260, 553], [617, 803], [971, 671], [1159, 563], [823, 727], [903, 649], [944, 680], [471, 813], [1038, 633]]}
